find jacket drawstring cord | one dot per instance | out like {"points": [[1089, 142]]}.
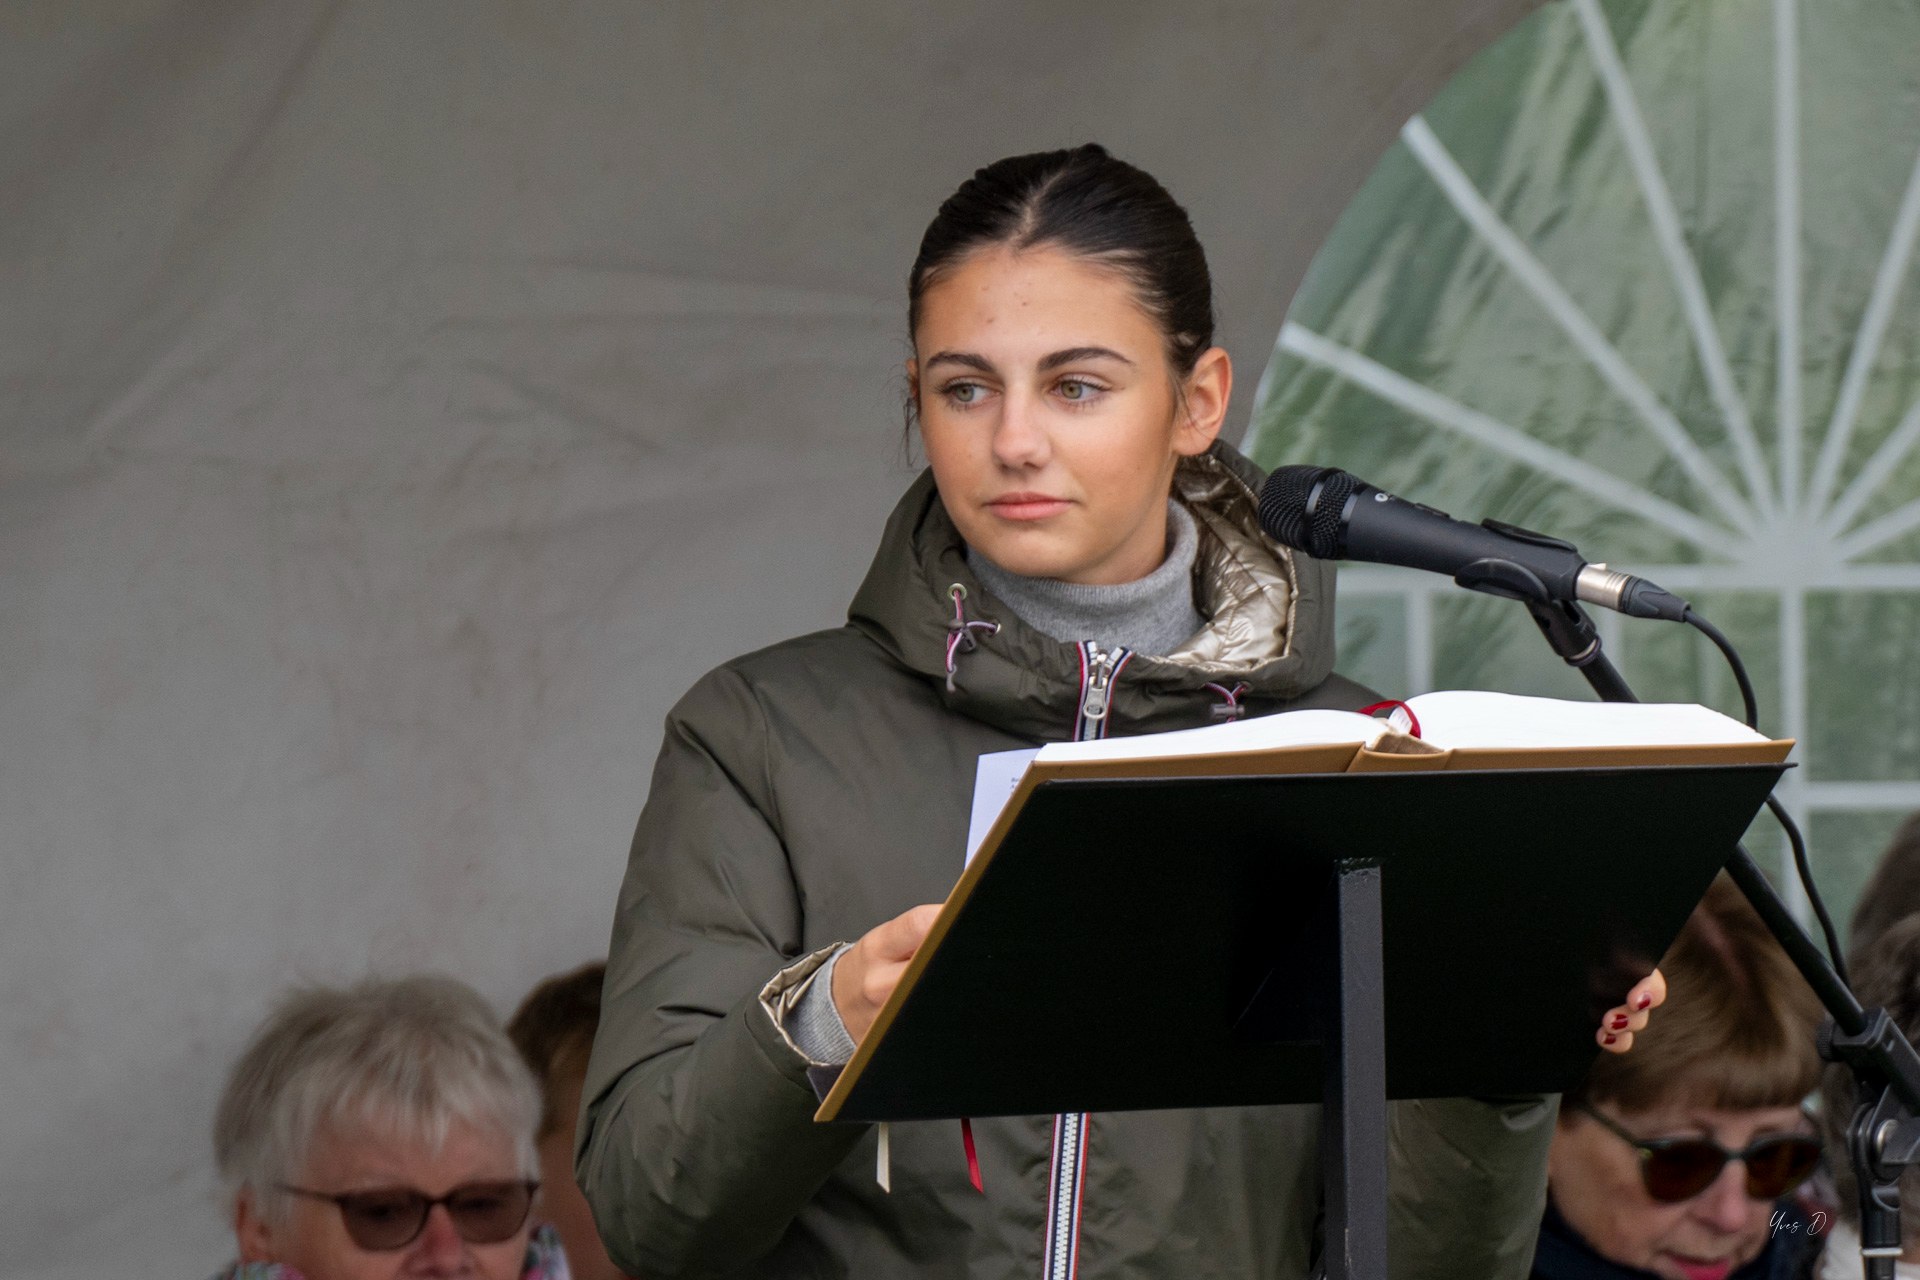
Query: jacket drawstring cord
{"points": [[962, 632], [962, 637], [1229, 707]]}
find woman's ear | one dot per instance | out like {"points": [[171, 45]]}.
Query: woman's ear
{"points": [[250, 1229], [913, 382], [1204, 405]]}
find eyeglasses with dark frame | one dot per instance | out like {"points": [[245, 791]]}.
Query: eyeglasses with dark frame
{"points": [[387, 1218], [1676, 1169]]}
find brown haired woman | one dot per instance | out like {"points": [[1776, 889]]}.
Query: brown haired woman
{"points": [[553, 1030], [1680, 1159], [1081, 558]]}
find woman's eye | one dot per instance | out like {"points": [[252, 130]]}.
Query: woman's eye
{"points": [[1076, 390], [964, 393], [379, 1208]]}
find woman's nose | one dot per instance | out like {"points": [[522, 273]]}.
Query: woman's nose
{"points": [[1725, 1204], [439, 1246], [1019, 437]]}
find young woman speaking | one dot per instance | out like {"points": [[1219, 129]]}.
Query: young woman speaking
{"points": [[1081, 558]]}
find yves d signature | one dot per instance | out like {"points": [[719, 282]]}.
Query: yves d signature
{"points": [[1813, 1226]]}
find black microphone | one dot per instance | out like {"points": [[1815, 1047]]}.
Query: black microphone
{"points": [[1331, 515]]}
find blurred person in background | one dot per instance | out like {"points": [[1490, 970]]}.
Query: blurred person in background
{"points": [[553, 1029], [1883, 960], [383, 1130], [1886, 973], [1681, 1159], [1891, 894]]}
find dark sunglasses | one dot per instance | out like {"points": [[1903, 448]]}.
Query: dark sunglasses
{"points": [[393, 1217], [1676, 1169]]}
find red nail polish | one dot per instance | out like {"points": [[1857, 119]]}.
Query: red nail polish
{"points": [[1609, 1039], [1646, 998], [1619, 1022]]}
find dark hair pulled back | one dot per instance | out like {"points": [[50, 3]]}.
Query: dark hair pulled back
{"points": [[1088, 203]]}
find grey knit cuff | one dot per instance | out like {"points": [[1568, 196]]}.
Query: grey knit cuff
{"points": [[816, 1025], [800, 1001]]}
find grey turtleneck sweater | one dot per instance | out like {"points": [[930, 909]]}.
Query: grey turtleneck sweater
{"points": [[1152, 615]]}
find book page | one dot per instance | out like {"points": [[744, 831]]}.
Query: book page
{"points": [[1467, 719], [997, 774], [1261, 733]]}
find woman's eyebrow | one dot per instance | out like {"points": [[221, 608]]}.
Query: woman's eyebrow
{"points": [[965, 359], [1074, 354]]}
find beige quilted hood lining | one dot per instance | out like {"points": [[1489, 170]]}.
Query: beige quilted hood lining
{"points": [[1243, 580]]}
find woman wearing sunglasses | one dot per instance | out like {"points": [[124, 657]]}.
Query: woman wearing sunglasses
{"points": [[381, 1131], [1680, 1160]]}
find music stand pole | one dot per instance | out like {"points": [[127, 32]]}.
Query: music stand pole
{"points": [[1353, 1106]]}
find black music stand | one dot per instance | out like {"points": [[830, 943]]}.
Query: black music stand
{"points": [[1192, 942]]}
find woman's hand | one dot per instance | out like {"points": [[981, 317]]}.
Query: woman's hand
{"points": [[1619, 1023], [867, 972]]}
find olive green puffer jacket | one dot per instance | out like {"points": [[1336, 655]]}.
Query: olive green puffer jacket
{"points": [[809, 791]]}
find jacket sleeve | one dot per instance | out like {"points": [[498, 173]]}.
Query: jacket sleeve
{"points": [[1467, 1184], [697, 1145]]}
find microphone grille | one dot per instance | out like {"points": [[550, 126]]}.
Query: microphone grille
{"points": [[1284, 514]]}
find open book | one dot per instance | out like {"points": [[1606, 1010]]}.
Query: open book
{"points": [[1458, 729]]}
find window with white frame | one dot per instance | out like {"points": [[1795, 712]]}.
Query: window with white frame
{"points": [[1642, 276]]}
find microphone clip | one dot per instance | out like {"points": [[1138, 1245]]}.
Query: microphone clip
{"points": [[1509, 579]]}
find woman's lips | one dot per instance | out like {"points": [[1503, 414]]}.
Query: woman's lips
{"points": [[1695, 1269], [1027, 506]]}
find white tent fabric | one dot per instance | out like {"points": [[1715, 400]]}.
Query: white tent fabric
{"points": [[401, 404]]}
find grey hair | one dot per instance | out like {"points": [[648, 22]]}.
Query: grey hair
{"points": [[416, 1055]]}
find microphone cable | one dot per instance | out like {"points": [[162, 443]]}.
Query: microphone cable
{"points": [[1800, 860]]}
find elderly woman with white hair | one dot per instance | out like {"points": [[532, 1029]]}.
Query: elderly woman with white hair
{"points": [[383, 1130]]}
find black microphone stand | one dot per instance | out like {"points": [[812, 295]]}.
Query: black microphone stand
{"points": [[1883, 1136]]}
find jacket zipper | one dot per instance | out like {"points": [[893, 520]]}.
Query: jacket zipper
{"points": [[1061, 1252], [1098, 667], [1063, 1204]]}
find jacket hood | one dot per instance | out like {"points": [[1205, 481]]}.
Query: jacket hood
{"points": [[1270, 612]]}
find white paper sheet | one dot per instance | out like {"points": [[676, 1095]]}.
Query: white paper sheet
{"points": [[994, 779]]}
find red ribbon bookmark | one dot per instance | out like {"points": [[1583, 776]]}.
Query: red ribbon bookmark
{"points": [[973, 1157], [1413, 721]]}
